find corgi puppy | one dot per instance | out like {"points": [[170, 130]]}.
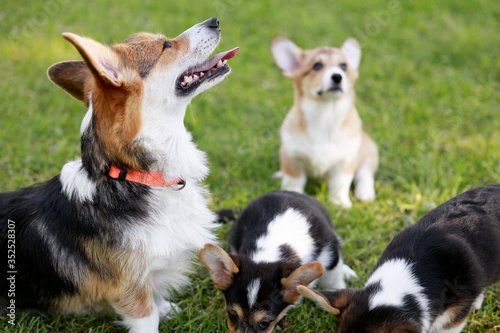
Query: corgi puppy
{"points": [[322, 135], [117, 228], [281, 240], [431, 276]]}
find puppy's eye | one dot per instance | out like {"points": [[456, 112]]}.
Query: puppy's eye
{"points": [[264, 324], [343, 66], [167, 45], [317, 66], [233, 316]]}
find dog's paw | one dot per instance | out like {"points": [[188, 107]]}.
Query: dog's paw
{"points": [[343, 202], [478, 303], [366, 193], [168, 310], [349, 273]]}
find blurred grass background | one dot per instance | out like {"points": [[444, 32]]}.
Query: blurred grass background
{"points": [[427, 94]]}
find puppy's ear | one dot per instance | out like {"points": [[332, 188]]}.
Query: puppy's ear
{"points": [[352, 52], [302, 276], [71, 77], [331, 301], [287, 55], [220, 265], [104, 62]]}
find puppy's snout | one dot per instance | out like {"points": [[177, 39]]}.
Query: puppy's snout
{"points": [[213, 23], [337, 78]]}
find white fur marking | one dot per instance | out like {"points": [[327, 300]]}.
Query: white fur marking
{"points": [[478, 302], [147, 324], [397, 281], [88, 116], [252, 292], [75, 182], [443, 320], [365, 183], [291, 228], [327, 83]]}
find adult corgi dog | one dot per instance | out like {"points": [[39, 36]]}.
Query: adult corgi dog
{"points": [[432, 274], [117, 229], [281, 240], [322, 135]]}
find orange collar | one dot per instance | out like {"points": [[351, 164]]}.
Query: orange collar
{"points": [[149, 178]]}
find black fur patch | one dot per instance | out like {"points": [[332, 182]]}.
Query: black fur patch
{"points": [[51, 231], [454, 251], [255, 218]]}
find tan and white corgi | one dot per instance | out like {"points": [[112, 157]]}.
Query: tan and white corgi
{"points": [[118, 227], [322, 135]]}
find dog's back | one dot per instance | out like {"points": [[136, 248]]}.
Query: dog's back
{"points": [[467, 226], [311, 221]]}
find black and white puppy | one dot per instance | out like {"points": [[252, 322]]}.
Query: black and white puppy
{"points": [[280, 241], [431, 276]]}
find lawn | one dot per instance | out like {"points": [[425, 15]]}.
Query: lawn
{"points": [[427, 94]]}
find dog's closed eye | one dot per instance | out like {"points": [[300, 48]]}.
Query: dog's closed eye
{"points": [[264, 324], [233, 316]]}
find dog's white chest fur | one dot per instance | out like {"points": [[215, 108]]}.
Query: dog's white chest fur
{"points": [[180, 225], [324, 144]]}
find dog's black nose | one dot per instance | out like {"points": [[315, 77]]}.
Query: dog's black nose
{"points": [[337, 78], [213, 23]]}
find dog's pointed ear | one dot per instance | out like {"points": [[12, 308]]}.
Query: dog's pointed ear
{"points": [[220, 265], [287, 55], [352, 52], [302, 276], [71, 77], [332, 301], [104, 62]]}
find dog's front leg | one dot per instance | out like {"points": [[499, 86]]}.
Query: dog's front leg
{"points": [[296, 184], [339, 182], [293, 176], [139, 311]]}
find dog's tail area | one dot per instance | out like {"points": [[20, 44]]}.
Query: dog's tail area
{"points": [[228, 215]]}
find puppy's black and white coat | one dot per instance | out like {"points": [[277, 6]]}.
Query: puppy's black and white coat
{"points": [[92, 238], [431, 276], [281, 240]]}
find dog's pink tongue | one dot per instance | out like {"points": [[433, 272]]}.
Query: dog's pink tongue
{"points": [[215, 59]]}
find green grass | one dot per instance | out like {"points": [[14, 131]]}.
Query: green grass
{"points": [[427, 93]]}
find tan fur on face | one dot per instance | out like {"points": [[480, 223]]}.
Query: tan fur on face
{"points": [[239, 311], [256, 318]]}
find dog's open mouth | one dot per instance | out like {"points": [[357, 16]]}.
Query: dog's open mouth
{"points": [[208, 70]]}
